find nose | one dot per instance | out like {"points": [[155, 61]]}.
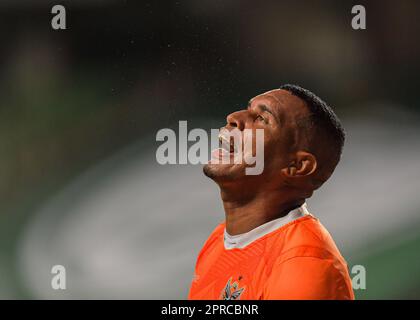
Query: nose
{"points": [[237, 119]]}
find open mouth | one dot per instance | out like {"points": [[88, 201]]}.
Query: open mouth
{"points": [[227, 145], [226, 151]]}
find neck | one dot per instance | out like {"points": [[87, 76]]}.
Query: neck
{"points": [[244, 213]]}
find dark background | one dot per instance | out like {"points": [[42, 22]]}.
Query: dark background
{"points": [[71, 99]]}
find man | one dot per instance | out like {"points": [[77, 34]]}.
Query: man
{"points": [[270, 246]]}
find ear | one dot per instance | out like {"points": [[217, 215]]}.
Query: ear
{"points": [[303, 164]]}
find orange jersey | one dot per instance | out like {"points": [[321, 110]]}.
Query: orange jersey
{"points": [[298, 260]]}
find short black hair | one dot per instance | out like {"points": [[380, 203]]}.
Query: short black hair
{"points": [[322, 123]]}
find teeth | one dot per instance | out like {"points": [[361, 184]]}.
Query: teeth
{"points": [[222, 138], [226, 144]]}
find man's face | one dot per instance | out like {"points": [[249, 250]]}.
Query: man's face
{"points": [[276, 113]]}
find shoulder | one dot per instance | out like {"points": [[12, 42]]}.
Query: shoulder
{"points": [[309, 258], [308, 238], [215, 236]]}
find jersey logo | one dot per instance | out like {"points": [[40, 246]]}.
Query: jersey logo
{"points": [[231, 291]]}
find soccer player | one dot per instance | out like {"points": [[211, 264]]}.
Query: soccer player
{"points": [[270, 246]]}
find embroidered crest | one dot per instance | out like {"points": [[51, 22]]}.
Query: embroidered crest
{"points": [[231, 291]]}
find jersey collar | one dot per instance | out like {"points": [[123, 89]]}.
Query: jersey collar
{"points": [[240, 241]]}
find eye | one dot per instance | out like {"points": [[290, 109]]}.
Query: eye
{"points": [[261, 118]]}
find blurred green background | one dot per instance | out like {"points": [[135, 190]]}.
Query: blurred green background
{"points": [[79, 110]]}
